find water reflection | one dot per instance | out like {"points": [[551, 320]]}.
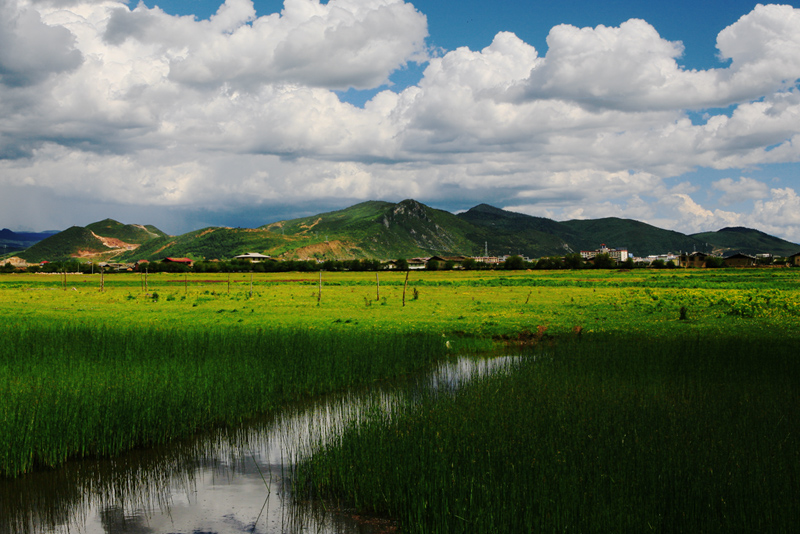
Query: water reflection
{"points": [[225, 481]]}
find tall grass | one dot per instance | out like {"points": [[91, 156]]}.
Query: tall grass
{"points": [[605, 435], [76, 391]]}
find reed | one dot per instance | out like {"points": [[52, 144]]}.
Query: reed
{"points": [[605, 434], [76, 391]]}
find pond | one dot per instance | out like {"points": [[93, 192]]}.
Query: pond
{"points": [[225, 481]]}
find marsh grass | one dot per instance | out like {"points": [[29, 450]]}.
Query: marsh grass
{"points": [[77, 391], [605, 434]]}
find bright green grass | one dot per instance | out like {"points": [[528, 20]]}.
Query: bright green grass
{"points": [[164, 357], [75, 391], [476, 304], [609, 434]]}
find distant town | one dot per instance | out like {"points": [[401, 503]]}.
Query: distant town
{"points": [[601, 258]]}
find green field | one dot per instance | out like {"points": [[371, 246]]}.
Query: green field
{"points": [[613, 434], [664, 400], [467, 303]]}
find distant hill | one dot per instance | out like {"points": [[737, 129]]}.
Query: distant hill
{"points": [[380, 230], [14, 241], [639, 238], [732, 240], [504, 232], [384, 230], [129, 233], [371, 229], [508, 232], [104, 240]]}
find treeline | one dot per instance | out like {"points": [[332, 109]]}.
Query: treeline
{"points": [[207, 267], [513, 263]]}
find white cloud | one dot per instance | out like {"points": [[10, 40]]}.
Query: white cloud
{"points": [[632, 68], [30, 50], [738, 191], [341, 44], [695, 218], [135, 106], [779, 214]]}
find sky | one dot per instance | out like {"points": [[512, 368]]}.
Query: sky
{"points": [[186, 114]]}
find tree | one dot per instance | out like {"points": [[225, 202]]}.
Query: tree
{"points": [[604, 261], [573, 261], [469, 264], [514, 263]]}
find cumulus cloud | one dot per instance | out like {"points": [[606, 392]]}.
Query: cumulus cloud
{"points": [[341, 44], [30, 50], [633, 68], [741, 190], [123, 103]]}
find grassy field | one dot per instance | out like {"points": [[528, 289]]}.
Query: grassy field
{"points": [[609, 434], [661, 400], [472, 304]]}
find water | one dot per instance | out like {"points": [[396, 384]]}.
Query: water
{"points": [[227, 481]]}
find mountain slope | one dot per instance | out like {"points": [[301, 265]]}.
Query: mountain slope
{"points": [[129, 233], [371, 230], [207, 243], [13, 241], [72, 242], [639, 238], [102, 240], [381, 230], [735, 239], [505, 232]]}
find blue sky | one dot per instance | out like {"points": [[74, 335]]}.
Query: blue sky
{"points": [[474, 23], [685, 115]]}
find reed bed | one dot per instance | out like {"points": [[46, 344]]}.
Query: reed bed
{"points": [[606, 434], [77, 391]]}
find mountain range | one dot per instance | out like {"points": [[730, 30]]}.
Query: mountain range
{"points": [[384, 230]]}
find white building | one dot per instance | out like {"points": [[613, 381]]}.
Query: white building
{"points": [[617, 254]]}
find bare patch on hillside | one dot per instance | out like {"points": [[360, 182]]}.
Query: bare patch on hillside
{"points": [[328, 250], [308, 227], [164, 247], [112, 242]]}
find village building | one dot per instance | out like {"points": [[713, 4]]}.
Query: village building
{"points": [[666, 258], [739, 260], [252, 257], [119, 267], [617, 254], [416, 264], [183, 261], [491, 260], [695, 260], [457, 261]]}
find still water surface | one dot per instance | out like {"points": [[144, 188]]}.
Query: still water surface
{"points": [[227, 481]]}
